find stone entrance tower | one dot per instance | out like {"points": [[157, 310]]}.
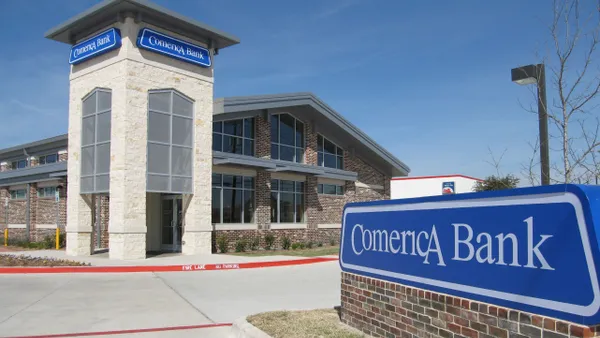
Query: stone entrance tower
{"points": [[140, 122]]}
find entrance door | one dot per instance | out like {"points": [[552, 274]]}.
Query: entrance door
{"points": [[172, 220]]}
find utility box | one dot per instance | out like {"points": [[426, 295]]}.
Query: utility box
{"points": [[420, 186]]}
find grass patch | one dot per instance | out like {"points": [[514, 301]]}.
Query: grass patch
{"points": [[313, 252], [22, 260], [303, 324]]}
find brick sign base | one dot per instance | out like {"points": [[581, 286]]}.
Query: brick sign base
{"points": [[384, 309]]}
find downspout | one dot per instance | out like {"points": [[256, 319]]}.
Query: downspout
{"points": [[27, 213]]}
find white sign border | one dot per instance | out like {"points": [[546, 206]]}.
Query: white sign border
{"points": [[587, 310], [159, 51], [114, 32]]}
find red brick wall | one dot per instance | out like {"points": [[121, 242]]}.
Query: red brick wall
{"points": [[311, 152], [103, 213], [263, 199], [262, 134], [383, 309]]}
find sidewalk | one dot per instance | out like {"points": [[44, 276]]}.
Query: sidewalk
{"points": [[102, 259]]}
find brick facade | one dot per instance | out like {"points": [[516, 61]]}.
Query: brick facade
{"points": [[102, 213], [383, 309]]}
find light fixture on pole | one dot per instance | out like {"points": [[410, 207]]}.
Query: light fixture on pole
{"points": [[537, 74]]}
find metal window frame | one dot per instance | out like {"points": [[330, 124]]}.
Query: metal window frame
{"points": [[95, 142], [295, 193], [295, 146], [322, 185], [222, 134], [44, 193], [171, 114], [323, 152], [17, 198], [45, 156], [243, 189]]}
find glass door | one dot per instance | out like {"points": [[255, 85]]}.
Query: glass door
{"points": [[172, 223]]}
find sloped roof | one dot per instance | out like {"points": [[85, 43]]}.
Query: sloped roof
{"points": [[109, 11], [326, 119]]}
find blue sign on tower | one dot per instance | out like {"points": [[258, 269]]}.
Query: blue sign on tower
{"points": [[96, 45], [532, 249], [172, 47]]}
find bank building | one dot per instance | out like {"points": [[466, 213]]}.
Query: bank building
{"points": [[153, 163]]}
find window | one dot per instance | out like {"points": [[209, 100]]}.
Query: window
{"points": [[330, 189], [95, 142], [287, 201], [47, 159], [18, 194], [329, 154], [232, 199], [170, 142], [234, 136], [287, 138], [46, 192], [20, 164]]}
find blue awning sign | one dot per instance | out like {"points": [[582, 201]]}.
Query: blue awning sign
{"points": [[96, 45], [531, 249], [172, 47]]}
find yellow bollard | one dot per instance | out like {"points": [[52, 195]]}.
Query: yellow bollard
{"points": [[57, 239], [6, 237]]}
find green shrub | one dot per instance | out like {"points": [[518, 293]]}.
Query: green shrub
{"points": [[269, 240], [301, 245], [240, 245], [222, 244], [310, 244], [320, 244], [254, 243], [332, 241], [295, 246], [286, 243]]}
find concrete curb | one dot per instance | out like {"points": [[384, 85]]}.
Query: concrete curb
{"points": [[242, 329], [163, 268]]}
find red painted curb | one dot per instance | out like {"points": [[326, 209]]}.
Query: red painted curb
{"points": [[109, 333], [162, 268]]}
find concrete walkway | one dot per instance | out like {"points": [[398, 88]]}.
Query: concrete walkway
{"points": [[38, 304], [162, 259]]}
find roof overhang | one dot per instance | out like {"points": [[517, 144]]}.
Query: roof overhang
{"points": [[35, 147], [47, 172], [323, 119], [221, 158], [108, 12]]}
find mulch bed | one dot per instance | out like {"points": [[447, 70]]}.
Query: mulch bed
{"points": [[23, 260]]}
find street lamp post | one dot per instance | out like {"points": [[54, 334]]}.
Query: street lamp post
{"points": [[537, 74]]}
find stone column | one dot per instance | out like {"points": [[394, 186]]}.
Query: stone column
{"points": [[312, 202]]}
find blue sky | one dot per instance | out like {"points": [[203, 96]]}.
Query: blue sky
{"points": [[429, 81]]}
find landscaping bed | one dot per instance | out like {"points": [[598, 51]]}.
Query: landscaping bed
{"points": [[23, 260], [312, 252], [303, 324]]}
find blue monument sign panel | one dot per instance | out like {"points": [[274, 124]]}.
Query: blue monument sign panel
{"points": [[163, 44], [96, 45], [532, 249]]}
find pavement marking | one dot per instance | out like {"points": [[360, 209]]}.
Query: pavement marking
{"points": [[133, 331], [162, 268]]}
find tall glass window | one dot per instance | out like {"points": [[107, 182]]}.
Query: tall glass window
{"points": [[95, 142], [170, 142], [234, 136], [287, 138], [287, 201], [330, 155], [232, 199]]}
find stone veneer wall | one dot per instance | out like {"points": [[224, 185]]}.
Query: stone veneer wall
{"points": [[384, 309]]}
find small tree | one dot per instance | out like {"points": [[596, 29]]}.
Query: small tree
{"points": [[496, 183]]}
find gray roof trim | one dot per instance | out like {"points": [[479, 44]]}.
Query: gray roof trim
{"points": [[350, 177], [36, 170], [107, 12], [260, 102], [297, 167], [26, 180], [46, 141], [227, 158], [59, 174]]}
